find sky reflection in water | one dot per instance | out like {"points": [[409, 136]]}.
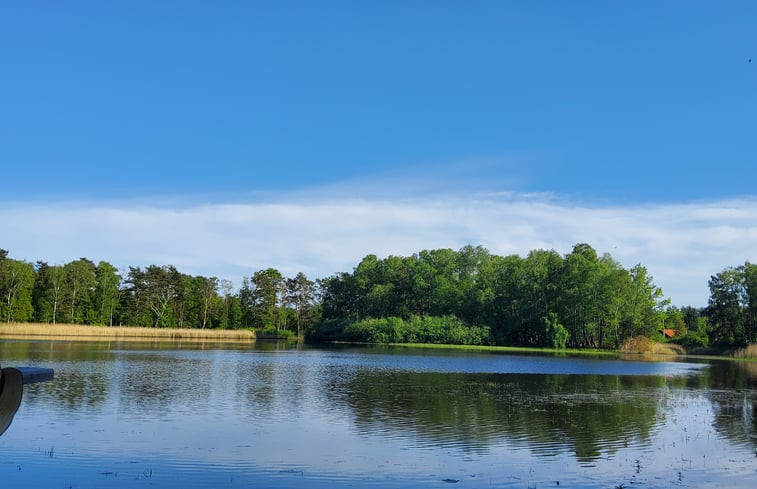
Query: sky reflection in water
{"points": [[166, 415]]}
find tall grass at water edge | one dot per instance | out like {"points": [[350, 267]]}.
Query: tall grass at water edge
{"points": [[749, 351], [121, 332], [641, 345]]}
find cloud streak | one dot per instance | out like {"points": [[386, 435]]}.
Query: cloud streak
{"points": [[680, 244]]}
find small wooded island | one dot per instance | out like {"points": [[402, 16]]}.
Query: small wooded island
{"points": [[467, 297]]}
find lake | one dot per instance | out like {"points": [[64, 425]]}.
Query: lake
{"points": [[209, 415]]}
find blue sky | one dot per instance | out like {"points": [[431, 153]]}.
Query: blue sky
{"points": [[179, 106]]}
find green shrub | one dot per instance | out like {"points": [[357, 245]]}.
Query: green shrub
{"points": [[330, 330], [556, 332], [271, 331], [692, 339], [427, 329]]}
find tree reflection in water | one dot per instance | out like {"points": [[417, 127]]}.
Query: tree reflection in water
{"points": [[586, 415], [549, 414], [733, 395]]}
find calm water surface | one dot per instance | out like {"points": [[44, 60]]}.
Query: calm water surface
{"points": [[192, 415]]}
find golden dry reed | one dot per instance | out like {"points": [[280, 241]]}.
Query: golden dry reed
{"points": [[121, 332], [750, 351], [642, 345]]}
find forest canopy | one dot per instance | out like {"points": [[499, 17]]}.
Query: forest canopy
{"points": [[547, 300], [469, 296]]}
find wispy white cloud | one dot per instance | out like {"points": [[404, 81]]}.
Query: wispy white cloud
{"points": [[680, 244]]}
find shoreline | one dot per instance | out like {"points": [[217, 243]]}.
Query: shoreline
{"points": [[725, 355], [506, 349], [79, 332]]}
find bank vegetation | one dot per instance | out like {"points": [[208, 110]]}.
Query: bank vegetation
{"points": [[580, 300], [30, 330]]}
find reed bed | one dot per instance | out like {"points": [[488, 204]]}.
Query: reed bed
{"points": [[641, 345], [750, 351], [121, 332]]}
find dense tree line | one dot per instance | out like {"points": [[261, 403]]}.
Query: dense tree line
{"points": [[83, 292], [545, 299], [732, 308], [469, 296], [730, 317]]}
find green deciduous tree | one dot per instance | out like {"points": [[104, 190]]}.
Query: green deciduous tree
{"points": [[750, 285], [208, 287], [106, 294], [556, 332], [47, 296], [643, 302], [300, 295], [728, 307], [16, 283], [153, 292], [79, 287], [266, 292], [231, 316], [519, 300]]}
